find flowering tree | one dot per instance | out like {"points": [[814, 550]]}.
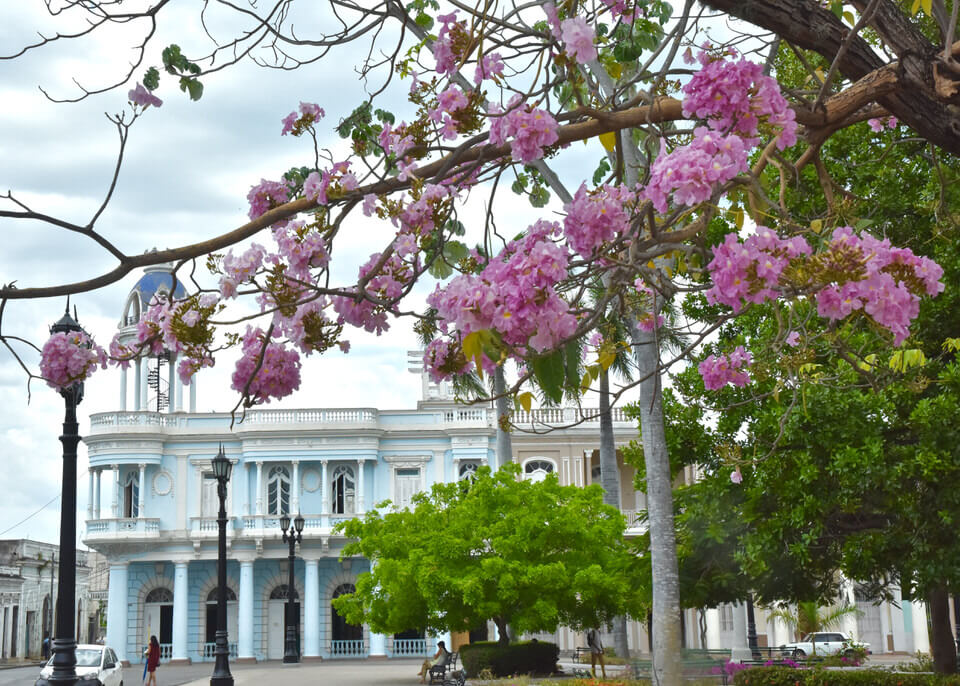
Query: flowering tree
{"points": [[692, 131]]}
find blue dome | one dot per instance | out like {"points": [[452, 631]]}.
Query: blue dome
{"points": [[153, 281]]}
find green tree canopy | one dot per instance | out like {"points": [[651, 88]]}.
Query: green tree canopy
{"points": [[533, 556]]}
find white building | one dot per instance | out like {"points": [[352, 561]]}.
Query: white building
{"points": [[29, 575], [153, 510]]}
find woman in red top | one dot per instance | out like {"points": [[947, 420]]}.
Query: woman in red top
{"points": [[153, 659]]}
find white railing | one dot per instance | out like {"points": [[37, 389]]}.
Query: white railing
{"points": [[107, 419], [475, 414], [210, 650], [207, 526], [633, 521], [347, 648], [166, 652], [409, 646], [345, 416], [139, 526], [567, 415]]}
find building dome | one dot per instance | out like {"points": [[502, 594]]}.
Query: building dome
{"points": [[156, 279]]}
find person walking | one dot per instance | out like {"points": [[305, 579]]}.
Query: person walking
{"points": [[153, 659], [46, 646], [596, 652]]}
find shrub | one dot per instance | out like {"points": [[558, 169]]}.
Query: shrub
{"points": [[515, 658], [785, 676]]}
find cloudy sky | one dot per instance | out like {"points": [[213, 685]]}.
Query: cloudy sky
{"points": [[186, 173]]}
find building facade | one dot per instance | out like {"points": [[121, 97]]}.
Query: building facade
{"points": [[29, 575], [153, 506]]}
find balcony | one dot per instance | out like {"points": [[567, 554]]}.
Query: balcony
{"points": [[258, 526], [125, 528]]}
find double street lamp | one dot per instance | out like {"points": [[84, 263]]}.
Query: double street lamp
{"points": [[64, 642], [221, 669], [291, 535]]}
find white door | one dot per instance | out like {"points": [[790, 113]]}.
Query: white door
{"points": [[233, 611], [275, 630], [408, 484], [151, 624]]}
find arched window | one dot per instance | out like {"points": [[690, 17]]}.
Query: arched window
{"points": [[344, 491], [468, 470], [132, 314], [212, 595], [278, 491], [211, 624], [280, 593], [537, 470], [131, 495], [159, 595], [341, 630]]}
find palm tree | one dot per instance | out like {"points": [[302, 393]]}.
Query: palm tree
{"points": [[810, 618]]}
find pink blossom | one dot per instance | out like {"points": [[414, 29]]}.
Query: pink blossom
{"points": [[578, 37], [265, 196], [288, 123], [597, 218], [369, 204], [489, 66], [311, 110], [719, 370], [736, 477], [452, 99], [531, 130], [141, 96], [792, 339], [279, 369], [68, 358]]}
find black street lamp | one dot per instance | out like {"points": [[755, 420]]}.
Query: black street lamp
{"points": [[221, 669], [291, 535], [64, 642], [752, 629]]}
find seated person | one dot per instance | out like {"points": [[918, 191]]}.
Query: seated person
{"points": [[441, 658]]}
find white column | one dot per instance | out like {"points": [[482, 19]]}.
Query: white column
{"points": [[245, 611], [142, 499], [137, 382], [896, 610], [324, 489], [96, 494], [378, 642], [713, 628], [741, 649], [360, 505], [90, 479], [921, 638], [311, 609], [144, 370], [295, 490], [259, 487], [171, 383], [179, 397], [116, 491], [123, 388], [193, 393], [181, 600], [117, 610], [884, 629]]}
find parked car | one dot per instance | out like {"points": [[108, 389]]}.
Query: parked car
{"points": [[826, 643], [96, 666]]}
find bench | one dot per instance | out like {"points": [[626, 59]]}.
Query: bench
{"points": [[694, 664], [438, 672], [580, 653]]}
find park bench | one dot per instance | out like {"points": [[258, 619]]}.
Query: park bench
{"points": [[695, 664], [580, 653], [439, 672]]}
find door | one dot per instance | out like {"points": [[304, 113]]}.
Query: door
{"points": [[408, 484], [166, 624], [151, 624], [275, 627]]}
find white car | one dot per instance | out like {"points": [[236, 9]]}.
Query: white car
{"points": [[96, 666], [826, 643]]}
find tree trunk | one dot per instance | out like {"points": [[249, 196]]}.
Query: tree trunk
{"points": [[610, 479], [663, 544], [941, 637], [503, 630], [504, 445]]}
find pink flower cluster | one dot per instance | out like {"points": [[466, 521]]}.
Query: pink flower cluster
{"points": [[443, 52], [240, 269], [595, 218], [691, 172], [386, 284], [578, 37], [443, 359], [265, 196], [647, 321], [750, 271], [141, 96], [882, 294], [449, 102], [316, 185], [395, 141], [278, 376], [179, 327], [489, 66], [300, 249], [530, 128], [67, 358], [514, 294], [877, 124], [620, 9], [736, 97], [309, 114], [719, 370]]}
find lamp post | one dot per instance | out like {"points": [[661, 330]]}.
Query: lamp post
{"points": [[291, 535], [752, 629], [221, 669], [64, 642]]}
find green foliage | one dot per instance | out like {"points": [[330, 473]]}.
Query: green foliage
{"points": [[151, 79], [786, 676], [534, 555], [810, 617], [176, 63], [510, 660]]}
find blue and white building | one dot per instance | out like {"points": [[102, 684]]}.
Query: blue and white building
{"points": [[153, 505]]}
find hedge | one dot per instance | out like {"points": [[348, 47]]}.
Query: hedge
{"points": [[786, 676], [516, 658]]}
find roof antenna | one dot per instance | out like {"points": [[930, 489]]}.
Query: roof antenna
{"points": [[66, 310]]}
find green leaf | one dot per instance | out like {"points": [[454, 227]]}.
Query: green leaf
{"points": [[549, 373], [539, 196], [151, 79], [571, 358], [424, 21], [837, 8], [191, 86]]}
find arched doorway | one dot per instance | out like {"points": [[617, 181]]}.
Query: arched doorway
{"points": [[158, 619], [210, 633], [277, 621], [346, 640]]}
